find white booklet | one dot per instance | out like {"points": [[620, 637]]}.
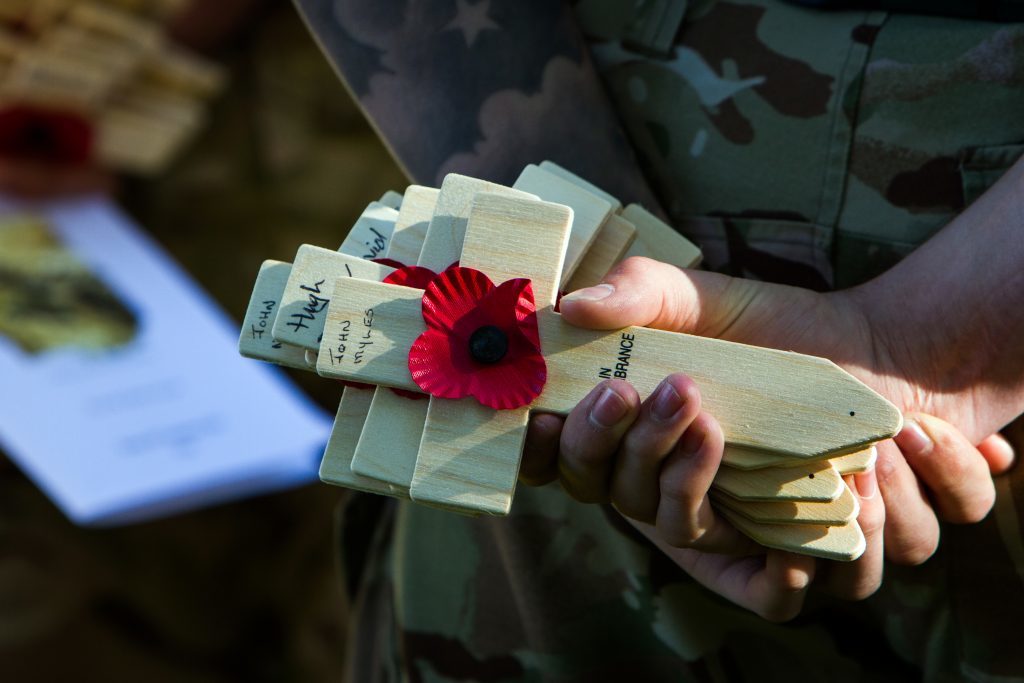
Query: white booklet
{"points": [[122, 394]]}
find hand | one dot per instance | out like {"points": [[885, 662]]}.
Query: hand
{"points": [[645, 292], [654, 462]]}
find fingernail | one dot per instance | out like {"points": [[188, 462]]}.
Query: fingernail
{"points": [[867, 484], [608, 409], [913, 440], [667, 402], [595, 293]]}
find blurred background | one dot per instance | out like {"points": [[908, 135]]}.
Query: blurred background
{"points": [[238, 144]]}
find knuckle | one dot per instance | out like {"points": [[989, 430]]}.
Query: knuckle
{"points": [[914, 552]]}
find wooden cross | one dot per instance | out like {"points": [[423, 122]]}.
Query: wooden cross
{"points": [[795, 406], [806, 508]]}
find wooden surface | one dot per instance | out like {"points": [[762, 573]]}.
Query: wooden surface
{"points": [[565, 174], [856, 463], [589, 211], [336, 466], [657, 240], [411, 226], [255, 340], [469, 456], [609, 247], [391, 435], [300, 321], [391, 199], [370, 236], [448, 224], [391, 438], [843, 543], [817, 482], [764, 399], [842, 510]]}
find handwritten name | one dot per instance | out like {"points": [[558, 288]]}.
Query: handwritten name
{"points": [[315, 305], [265, 318], [376, 245]]}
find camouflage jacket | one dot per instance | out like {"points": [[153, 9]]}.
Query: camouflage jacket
{"points": [[798, 145]]}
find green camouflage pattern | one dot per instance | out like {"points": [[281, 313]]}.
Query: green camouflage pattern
{"points": [[795, 145]]}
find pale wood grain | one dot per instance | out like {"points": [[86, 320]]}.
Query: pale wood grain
{"points": [[745, 458], [414, 217], [589, 211], [767, 399], [817, 481], [565, 174], [844, 543], [255, 340], [657, 240], [391, 199], [469, 456], [448, 224], [608, 248], [856, 463], [391, 438], [300, 321], [764, 399], [371, 234], [336, 466], [842, 510]]}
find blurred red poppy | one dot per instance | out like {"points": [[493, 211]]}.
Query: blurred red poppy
{"points": [[33, 133], [481, 340]]}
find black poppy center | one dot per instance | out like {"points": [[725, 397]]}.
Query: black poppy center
{"points": [[488, 345], [39, 137]]}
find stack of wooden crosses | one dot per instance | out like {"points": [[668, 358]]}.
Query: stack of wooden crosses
{"points": [[101, 70], [449, 343]]}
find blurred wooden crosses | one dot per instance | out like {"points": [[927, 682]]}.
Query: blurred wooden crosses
{"points": [[109, 63], [794, 424]]}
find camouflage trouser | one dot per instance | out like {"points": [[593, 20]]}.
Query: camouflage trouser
{"points": [[797, 145]]}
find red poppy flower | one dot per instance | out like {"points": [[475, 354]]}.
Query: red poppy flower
{"points": [[481, 341], [31, 133]]}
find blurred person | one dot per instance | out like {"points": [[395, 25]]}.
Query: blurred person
{"points": [[243, 591]]}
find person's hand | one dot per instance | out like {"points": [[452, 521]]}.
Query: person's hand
{"points": [[952, 471], [654, 461]]}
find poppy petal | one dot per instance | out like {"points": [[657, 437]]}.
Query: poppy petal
{"points": [[432, 368], [452, 295], [416, 277]]}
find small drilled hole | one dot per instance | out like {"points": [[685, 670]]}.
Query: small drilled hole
{"points": [[852, 413], [811, 475]]}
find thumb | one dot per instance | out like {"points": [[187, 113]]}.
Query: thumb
{"points": [[648, 293]]}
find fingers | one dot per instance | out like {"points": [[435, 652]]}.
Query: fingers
{"points": [[911, 528], [591, 436], [641, 291], [956, 474], [861, 578], [772, 585], [998, 453], [663, 419], [540, 453], [685, 518]]}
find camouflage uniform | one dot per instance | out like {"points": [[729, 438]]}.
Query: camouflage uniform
{"points": [[806, 146]]}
